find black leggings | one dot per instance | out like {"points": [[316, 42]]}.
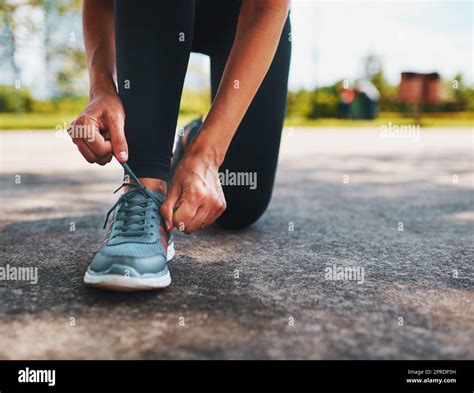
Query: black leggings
{"points": [[153, 41]]}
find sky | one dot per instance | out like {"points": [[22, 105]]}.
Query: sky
{"points": [[331, 38]]}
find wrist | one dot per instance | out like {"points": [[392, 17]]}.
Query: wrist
{"points": [[207, 152], [101, 84]]}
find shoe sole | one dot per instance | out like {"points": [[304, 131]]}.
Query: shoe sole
{"points": [[116, 282]]}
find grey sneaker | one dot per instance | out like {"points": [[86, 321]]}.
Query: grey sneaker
{"points": [[137, 247]]}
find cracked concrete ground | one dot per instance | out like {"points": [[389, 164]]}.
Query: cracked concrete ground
{"points": [[259, 293]]}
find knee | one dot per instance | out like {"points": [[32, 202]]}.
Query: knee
{"points": [[241, 214]]}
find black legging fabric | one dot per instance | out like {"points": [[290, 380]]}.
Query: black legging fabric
{"points": [[153, 42]]}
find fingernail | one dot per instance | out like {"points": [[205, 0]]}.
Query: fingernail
{"points": [[167, 225], [123, 154]]}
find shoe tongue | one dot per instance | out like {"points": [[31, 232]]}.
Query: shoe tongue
{"points": [[141, 197], [159, 196], [132, 179]]}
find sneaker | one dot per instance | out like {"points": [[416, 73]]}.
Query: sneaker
{"points": [[137, 247], [187, 134]]}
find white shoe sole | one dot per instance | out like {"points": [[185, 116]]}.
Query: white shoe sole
{"points": [[117, 282]]}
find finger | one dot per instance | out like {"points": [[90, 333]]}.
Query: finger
{"points": [[89, 155], [214, 215], [168, 206], [190, 201], [85, 151], [184, 214], [82, 127], [217, 212], [96, 142], [115, 124], [104, 160], [73, 128], [85, 128], [198, 221]]}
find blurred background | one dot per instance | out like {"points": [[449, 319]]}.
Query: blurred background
{"points": [[354, 64]]}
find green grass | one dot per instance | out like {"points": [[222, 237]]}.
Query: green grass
{"points": [[40, 121], [45, 121], [37, 121]]}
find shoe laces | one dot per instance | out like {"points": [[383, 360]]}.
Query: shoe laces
{"points": [[132, 212]]}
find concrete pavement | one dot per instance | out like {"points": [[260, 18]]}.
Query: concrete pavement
{"points": [[400, 210]]}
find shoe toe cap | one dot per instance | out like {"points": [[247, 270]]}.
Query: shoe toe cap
{"points": [[127, 265]]}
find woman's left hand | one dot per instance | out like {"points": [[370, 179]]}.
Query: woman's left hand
{"points": [[195, 198]]}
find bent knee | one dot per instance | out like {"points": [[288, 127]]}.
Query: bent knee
{"points": [[241, 215]]}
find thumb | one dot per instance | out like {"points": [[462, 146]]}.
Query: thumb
{"points": [[167, 208], [115, 125]]}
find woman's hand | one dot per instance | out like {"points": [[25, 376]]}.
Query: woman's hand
{"points": [[195, 198], [98, 132]]}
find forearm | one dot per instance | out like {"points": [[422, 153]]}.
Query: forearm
{"points": [[258, 33], [99, 42]]}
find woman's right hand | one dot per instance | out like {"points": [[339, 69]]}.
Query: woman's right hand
{"points": [[98, 132]]}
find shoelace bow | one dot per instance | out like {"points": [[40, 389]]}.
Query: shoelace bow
{"points": [[132, 213]]}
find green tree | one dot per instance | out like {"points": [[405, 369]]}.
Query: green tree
{"points": [[14, 13], [463, 94], [324, 102]]}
